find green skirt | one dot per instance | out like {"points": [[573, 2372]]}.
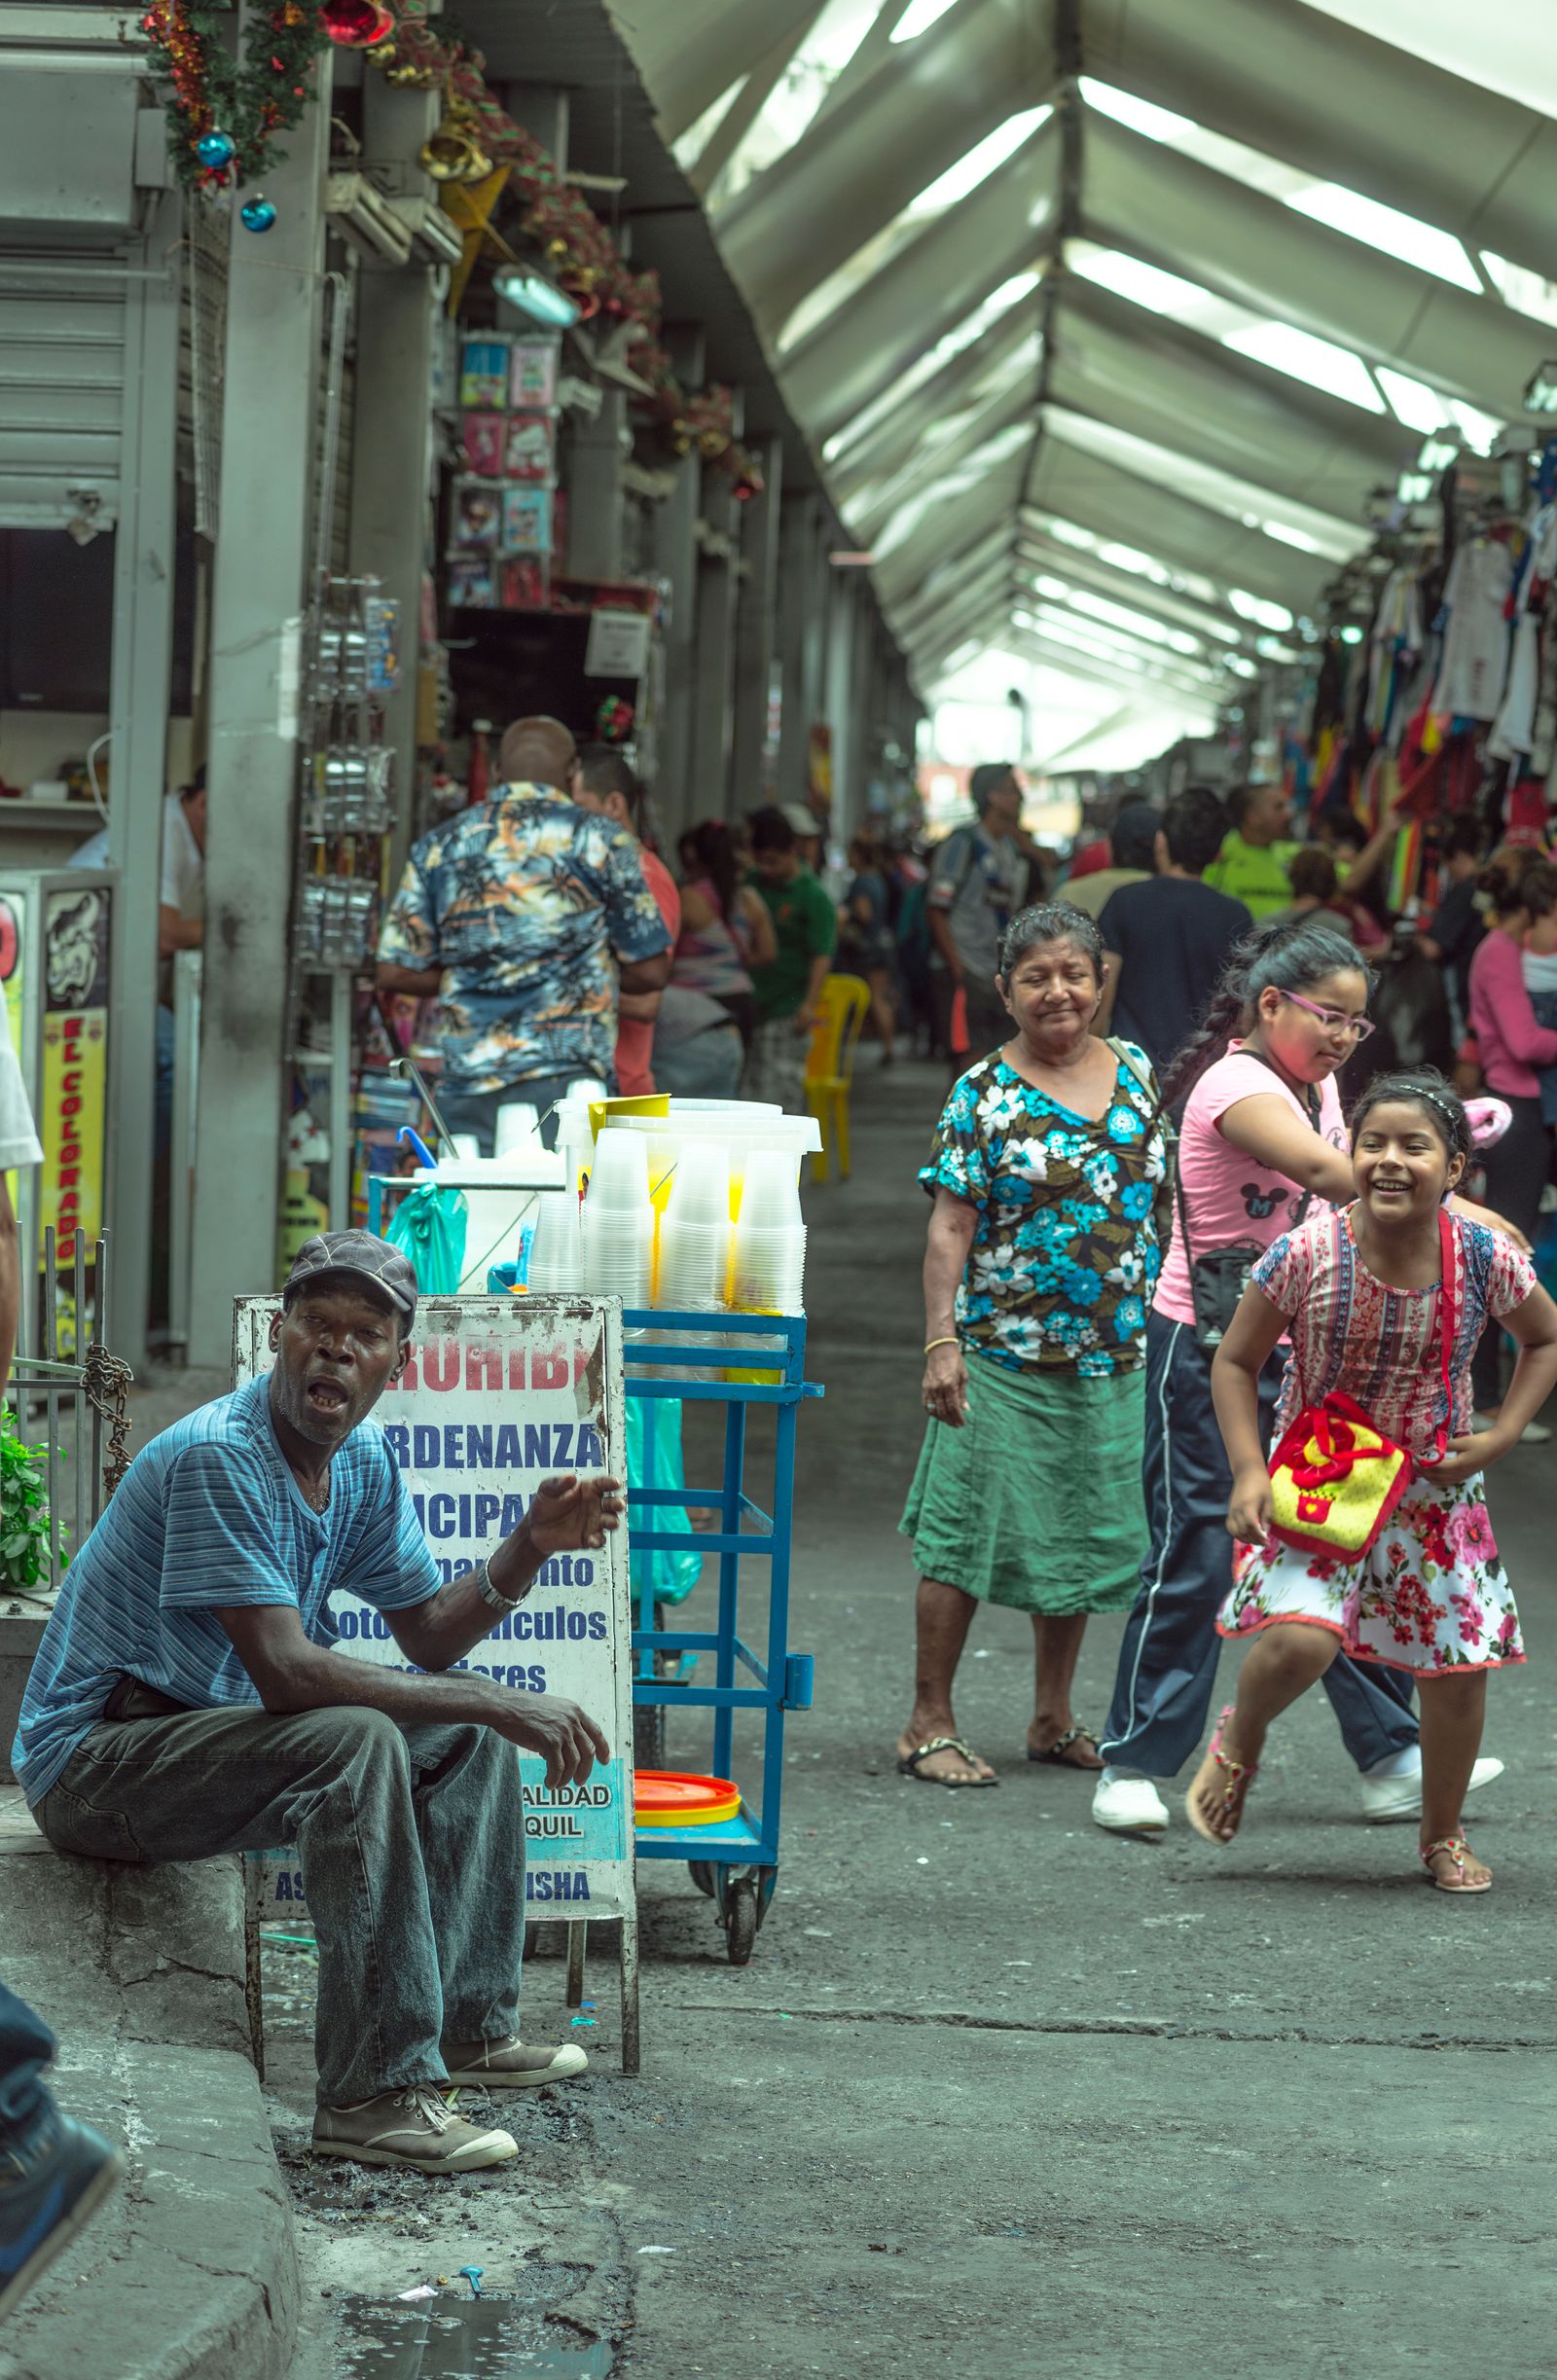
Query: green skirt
{"points": [[1036, 1500]]}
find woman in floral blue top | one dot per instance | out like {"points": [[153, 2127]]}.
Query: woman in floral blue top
{"points": [[1038, 1273]]}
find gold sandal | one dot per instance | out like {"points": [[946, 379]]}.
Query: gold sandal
{"points": [[1459, 1851], [1237, 1778]]}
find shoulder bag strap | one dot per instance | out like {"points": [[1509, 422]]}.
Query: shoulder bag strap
{"points": [[1448, 1323]]}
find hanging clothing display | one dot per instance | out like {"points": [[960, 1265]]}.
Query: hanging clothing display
{"points": [[1474, 661], [1514, 728]]}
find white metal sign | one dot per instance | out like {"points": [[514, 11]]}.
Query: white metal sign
{"points": [[499, 1393]]}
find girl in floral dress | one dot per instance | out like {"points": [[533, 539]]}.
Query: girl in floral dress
{"points": [[1358, 1289]]}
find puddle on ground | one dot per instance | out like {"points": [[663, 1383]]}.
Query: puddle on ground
{"points": [[451, 2338]]}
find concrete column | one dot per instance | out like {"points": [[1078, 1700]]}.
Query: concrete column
{"points": [[798, 532], [756, 633], [712, 690], [141, 682], [597, 506], [391, 466], [675, 566], [840, 694], [261, 586]]}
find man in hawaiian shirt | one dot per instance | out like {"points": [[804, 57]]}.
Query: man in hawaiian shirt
{"points": [[527, 917]]}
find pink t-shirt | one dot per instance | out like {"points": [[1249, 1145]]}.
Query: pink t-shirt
{"points": [[1512, 1044], [1232, 1200]]}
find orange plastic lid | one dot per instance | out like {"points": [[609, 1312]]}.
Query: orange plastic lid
{"points": [[675, 1796]]}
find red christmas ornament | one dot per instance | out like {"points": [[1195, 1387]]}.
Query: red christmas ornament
{"points": [[356, 24]]}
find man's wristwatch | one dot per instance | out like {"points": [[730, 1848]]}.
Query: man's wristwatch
{"points": [[481, 1579]]}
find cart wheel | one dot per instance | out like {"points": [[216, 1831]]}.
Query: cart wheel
{"points": [[741, 1923], [701, 1872]]}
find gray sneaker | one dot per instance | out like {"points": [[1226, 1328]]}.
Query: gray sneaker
{"points": [[511, 2064], [413, 2127]]}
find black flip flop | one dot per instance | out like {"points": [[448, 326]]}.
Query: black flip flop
{"points": [[1053, 1757], [909, 1766]]}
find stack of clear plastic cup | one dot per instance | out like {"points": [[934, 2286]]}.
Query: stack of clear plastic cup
{"points": [[557, 1253], [619, 1220], [769, 1255], [694, 1231]]}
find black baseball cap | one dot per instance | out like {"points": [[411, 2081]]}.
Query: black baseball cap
{"points": [[360, 1253]]}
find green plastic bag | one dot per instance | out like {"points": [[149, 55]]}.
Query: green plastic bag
{"points": [[654, 1460], [429, 1226]]}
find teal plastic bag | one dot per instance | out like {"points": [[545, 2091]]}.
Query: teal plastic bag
{"points": [[654, 1460], [429, 1226]]}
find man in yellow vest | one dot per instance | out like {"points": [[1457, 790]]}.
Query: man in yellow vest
{"points": [[1254, 863]]}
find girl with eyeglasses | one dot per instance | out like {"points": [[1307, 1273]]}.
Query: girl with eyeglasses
{"points": [[1262, 1138]]}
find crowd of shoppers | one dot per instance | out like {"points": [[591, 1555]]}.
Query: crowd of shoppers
{"points": [[1238, 968]]}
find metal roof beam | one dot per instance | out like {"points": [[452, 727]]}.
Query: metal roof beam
{"points": [[1246, 247], [998, 412], [1346, 107], [926, 290], [853, 169], [1134, 370], [689, 51], [892, 441], [1117, 504]]}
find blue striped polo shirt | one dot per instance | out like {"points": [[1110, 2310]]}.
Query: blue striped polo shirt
{"points": [[209, 1515]]}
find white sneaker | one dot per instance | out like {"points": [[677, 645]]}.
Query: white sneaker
{"points": [[1385, 1799], [1128, 1805]]}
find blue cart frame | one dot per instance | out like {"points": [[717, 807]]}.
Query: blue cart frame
{"points": [[736, 1861]]}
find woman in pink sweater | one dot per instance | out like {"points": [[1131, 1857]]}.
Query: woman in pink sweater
{"points": [[1512, 1047]]}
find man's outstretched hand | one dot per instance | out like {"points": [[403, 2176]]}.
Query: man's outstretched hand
{"points": [[572, 1515]]}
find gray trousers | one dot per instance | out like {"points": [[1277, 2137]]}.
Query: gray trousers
{"points": [[412, 1846]]}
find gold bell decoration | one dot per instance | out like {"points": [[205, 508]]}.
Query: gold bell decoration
{"points": [[409, 74], [382, 54], [453, 152]]}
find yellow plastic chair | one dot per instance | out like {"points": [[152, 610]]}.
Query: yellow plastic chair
{"points": [[830, 1067]]}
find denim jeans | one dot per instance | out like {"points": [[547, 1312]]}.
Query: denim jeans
{"points": [[1168, 1660], [705, 1066], [26, 2046], [412, 1846]]}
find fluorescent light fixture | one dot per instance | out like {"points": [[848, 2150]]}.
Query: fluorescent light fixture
{"points": [[1438, 454], [530, 293], [1264, 614], [1351, 636], [1140, 115], [1386, 228], [1528, 293], [1317, 362], [1541, 396], [918, 18], [1412, 401], [1479, 429]]}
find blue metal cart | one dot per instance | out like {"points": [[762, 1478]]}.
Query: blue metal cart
{"points": [[735, 1863]]}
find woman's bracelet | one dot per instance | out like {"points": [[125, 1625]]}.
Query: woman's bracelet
{"points": [[931, 1344]]}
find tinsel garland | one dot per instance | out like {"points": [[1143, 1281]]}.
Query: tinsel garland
{"points": [[251, 98]]}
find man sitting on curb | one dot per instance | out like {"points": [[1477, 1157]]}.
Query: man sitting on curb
{"points": [[187, 1699]]}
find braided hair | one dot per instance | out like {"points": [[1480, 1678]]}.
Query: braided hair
{"points": [[1288, 954], [1420, 1086]]}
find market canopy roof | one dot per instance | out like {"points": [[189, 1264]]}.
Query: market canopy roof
{"points": [[1108, 317]]}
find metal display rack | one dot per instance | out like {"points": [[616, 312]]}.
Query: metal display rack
{"points": [[736, 1861]]}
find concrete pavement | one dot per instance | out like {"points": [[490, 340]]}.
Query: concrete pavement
{"points": [[999, 2094]]}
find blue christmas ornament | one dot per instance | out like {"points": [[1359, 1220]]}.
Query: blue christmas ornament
{"points": [[215, 150], [257, 214]]}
